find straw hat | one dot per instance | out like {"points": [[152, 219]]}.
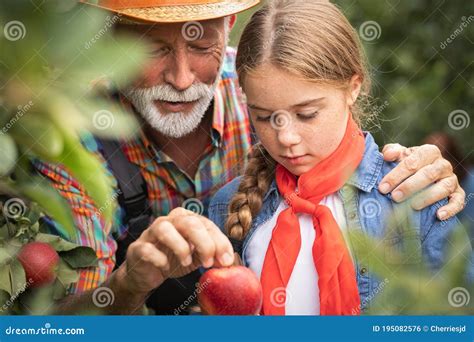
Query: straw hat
{"points": [[172, 11]]}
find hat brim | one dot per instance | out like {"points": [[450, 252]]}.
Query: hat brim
{"points": [[182, 13]]}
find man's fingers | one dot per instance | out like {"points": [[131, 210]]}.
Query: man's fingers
{"points": [[436, 192], [426, 176], [392, 152], [148, 253], [195, 232], [455, 205], [180, 212], [417, 159], [164, 233], [224, 250]]}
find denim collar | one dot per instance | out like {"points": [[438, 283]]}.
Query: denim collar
{"points": [[366, 175]]}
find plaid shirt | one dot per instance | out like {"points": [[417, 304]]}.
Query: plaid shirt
{"points": [[168, 186]]}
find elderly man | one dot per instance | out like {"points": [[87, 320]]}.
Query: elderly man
{"points": [[195, 138]]}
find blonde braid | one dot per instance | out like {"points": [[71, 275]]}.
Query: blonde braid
{"points": [[248, 199]]}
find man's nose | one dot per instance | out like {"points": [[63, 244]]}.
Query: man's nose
{"points": [[180, 74]]}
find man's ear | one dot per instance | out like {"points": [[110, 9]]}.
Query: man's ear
{"points": [[233, 19]]}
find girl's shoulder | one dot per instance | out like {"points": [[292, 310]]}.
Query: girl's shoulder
{"points": [[224, 195]]}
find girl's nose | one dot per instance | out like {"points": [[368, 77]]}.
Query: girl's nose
{"points": [[289, 136]]}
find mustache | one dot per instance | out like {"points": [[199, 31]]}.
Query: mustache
{"points": [[166, 92]]}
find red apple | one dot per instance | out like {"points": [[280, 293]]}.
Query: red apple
{"points": [[40, 262], [232, 290]]}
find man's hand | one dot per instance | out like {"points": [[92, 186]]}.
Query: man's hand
{"points": [[172, 247], [422, 167]]}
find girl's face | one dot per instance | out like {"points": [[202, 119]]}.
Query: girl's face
{"points": [[298, 122]]}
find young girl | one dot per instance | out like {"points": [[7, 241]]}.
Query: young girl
{"points": [[314, 175]]}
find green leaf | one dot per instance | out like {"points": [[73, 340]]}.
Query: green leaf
{"points": [[108, 120], [37, 134], [18, 277], [4, 297], [54, 205], [74, 255], [459, 254], [66, 274], [91, 175], [38, 301], [80, 257], [59, 244], [5, 280], [116, 58], [85, 167], [8, 154], [59, 291], [5, 256]]}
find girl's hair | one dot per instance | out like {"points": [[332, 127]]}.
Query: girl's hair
{"points": [[312, 40]]}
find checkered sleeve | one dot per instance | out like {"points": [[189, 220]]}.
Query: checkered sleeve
{"points": [[91, 230]]}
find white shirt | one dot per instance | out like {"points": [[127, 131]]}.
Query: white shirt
{"points": [[302, 291]]}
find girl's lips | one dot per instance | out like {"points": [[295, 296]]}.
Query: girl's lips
{"points": [[297, 160], [175, 107]]}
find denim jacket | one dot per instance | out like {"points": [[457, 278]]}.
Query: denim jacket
{"points": [[367, 210]]}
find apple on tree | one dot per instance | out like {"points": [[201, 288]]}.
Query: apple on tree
{"points": [[234, 290]]}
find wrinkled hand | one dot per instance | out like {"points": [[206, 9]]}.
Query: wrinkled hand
{"points": [[424, 176], [173, 246]]}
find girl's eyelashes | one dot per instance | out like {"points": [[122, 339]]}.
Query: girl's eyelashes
{"points": [[264, 119], [307, 116], [300, 116]]}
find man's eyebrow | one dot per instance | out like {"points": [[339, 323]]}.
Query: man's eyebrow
{"points": [[166, 42], [302, 104]]}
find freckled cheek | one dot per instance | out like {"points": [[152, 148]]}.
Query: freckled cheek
{"points": [[324, 142], [268, 137]]}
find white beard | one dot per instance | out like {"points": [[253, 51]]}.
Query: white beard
{"points": [[174, 125]]}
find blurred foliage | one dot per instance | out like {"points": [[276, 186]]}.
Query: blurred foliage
{"points": [[407, 286], [422, 76], [418, 77], [56, 58], [21, 227]]}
